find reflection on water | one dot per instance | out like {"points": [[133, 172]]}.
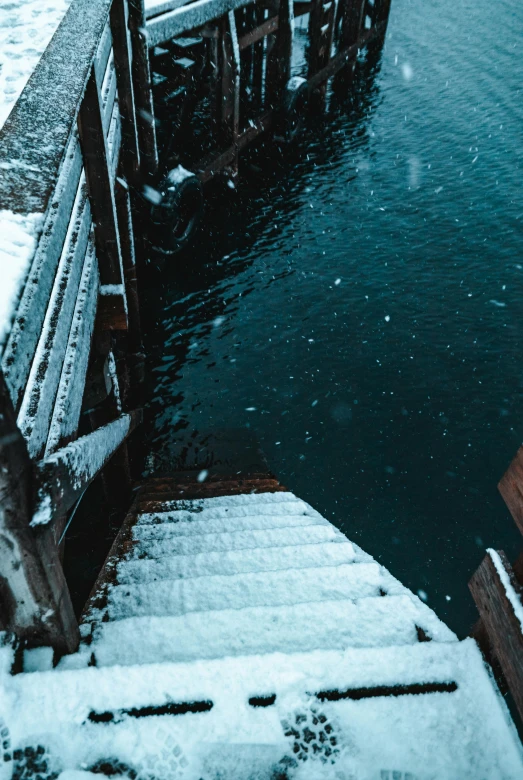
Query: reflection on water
{"points": [[359, 303]]}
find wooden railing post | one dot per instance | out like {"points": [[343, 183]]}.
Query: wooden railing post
{"points": [[321, 32], [34, 599], [99, 184], [142, 89], [123, 66]]}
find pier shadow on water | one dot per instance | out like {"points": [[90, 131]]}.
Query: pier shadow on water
{"points": [[356, 301]]}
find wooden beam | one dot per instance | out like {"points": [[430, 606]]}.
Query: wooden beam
{"points": [[62, 478], [99, 184], [344, 56], [268, 27], [34, 599], [498, 597], [122, 62], [511, 488], [211, 165]]}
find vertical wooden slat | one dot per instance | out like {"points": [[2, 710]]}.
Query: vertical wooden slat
{"points": [[123, 210], [99, 184], [321, 32], [142, 88], [123, 65], [34, 600], [352, 21], [497, 595]]}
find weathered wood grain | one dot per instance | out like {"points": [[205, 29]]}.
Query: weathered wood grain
{"points": [[99, 184], [500, 607], [123, 65], [63, 477], [34, 599], [68, 404], [511, 488], [140, 38], [36, 409]]}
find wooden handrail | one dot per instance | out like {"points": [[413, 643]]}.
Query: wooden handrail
{"points": [[49, 102], [62, 478]]}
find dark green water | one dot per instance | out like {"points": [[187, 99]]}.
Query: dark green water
{"points": [[360, 304]]}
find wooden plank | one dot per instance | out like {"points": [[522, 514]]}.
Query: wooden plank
{"points": [[511, 488], [26, 329], [34, 599], [125, 222], [103, 53], [37, 404], [140, 39], [162, 8], [114, 145], [498, 597], [123, 65], [108, 94], [189, 17], [268, 27], [62, 478], [99, 184], [68, 404]]}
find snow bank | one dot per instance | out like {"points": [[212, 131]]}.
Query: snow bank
{"points": [[26, 27]]}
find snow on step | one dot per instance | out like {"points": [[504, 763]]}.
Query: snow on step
{"points": [[177, 597], [223, 512], [461, 735], [237, 561], [228, 524], [236, 540], [217, 502], [369, 622]]}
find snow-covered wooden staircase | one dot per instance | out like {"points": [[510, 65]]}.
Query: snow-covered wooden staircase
{"points": [[239, 634]]}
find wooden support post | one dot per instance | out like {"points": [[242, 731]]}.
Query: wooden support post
{"points": [[229, 90], [123, 210], [99, 184], [142, 89], [321, 33], [498, 597], [258, 60], [279, 29], [34, 599], [130, 154], [352, 22]]}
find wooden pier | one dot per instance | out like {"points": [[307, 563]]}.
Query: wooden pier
{"points": [[225, 599]]}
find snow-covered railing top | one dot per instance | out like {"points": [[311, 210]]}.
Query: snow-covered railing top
{"points": [[33, 141]]}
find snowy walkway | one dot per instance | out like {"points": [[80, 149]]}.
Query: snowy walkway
{"points": [[245, 636], [26, 27]]}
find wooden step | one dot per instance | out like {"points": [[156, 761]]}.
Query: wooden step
{"points": [[236, 591], [194, 528], [203, 511], [235, 562], [235, 540], [369, 622], [208, 502]]}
